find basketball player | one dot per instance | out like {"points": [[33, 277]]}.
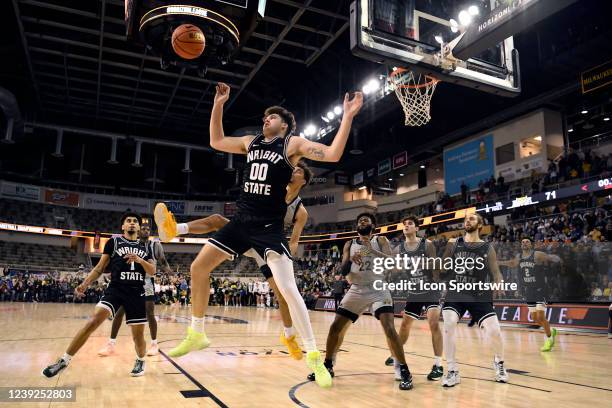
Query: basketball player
{"points": [[128, 260], [413, 247], [157, 252], [295, 218], [258, 223], [474, 261], [534, 286], [357, 262]]}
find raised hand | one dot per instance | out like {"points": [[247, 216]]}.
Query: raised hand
{"points": [[223, 93], [352, 106]]}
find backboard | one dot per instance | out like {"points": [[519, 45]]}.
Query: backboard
{"points": [[420, 35]]}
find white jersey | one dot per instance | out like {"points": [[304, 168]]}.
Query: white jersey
{"points": [[363, 274]]}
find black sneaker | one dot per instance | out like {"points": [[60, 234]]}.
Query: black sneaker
{"points": [[139, 368], [311, 376], [436, 373], [54, 369], [389, 362], [406, 381]]}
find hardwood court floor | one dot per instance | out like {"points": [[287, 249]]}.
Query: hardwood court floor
{"points": [[247, 367]]}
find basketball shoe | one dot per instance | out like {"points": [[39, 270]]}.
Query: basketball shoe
{"points": [[166, 224], [550, 341], [193, 341], [139, 368], [153, 350], [451, 379], [500, 371], [54, 369], [107, 350], [321, 374], [292, 345]]}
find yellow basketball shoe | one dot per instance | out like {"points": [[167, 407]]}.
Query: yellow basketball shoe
{"points": [[315, 363], [166, 224], [292, 345], [193, 342]]}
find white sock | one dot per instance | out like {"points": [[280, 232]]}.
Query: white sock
{"points": [[66, 357], [112, 341], [289, 331], [197, 324], [282, 271], [140, 358], [154, 342], [449, 339], [182, 229], [493, 332], [438, 361]]}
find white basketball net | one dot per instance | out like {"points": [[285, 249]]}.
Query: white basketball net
{"points": [[414, 92]]}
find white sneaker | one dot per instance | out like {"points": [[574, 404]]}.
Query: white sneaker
{"points": [[107, 350], [451, 379], [501, 375], [398, 371], [153, 351]]}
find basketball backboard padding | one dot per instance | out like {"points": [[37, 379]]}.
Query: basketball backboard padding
{"points": [[503, 22]]}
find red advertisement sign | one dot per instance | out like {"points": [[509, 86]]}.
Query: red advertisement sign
{"points": [[60, 197]]}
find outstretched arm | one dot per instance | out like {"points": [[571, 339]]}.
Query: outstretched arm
{"points": [[218, 140], [318, 151], [512, 263]]}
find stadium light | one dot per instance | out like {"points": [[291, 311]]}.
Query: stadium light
{"points": [[584, 111], [371, 86], [338, 110], [422, 166], [324, 119], [454, 25], [439, 39], [330, 115], [570, 129], [473, 10], [465, 18], [362, 187], [607, 118], [310, 130]]}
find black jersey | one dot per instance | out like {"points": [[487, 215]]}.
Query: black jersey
{"points": [[477, 270], [123, 273], [265, 179], [531, 274], [418, 274]]}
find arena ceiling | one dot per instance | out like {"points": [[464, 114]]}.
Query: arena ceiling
{"points": [[69, 64]]}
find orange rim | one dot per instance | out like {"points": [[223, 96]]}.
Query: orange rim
{"points": [[430, 80]]}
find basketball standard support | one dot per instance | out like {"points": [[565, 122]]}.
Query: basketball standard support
{"points": [[503, 22]]}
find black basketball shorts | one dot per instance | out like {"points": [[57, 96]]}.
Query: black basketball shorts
{"points": [[480, 311], [240, 235], [132, 300]]}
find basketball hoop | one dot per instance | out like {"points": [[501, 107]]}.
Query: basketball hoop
{"points": [[414, 92]]}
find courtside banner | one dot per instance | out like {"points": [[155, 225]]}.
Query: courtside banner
{"points": [[576, 316]]}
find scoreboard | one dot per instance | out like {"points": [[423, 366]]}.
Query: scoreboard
{"points": [[550, 195]]}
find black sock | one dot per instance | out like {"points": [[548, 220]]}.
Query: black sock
{"points": [[404, 367], [328, 363]]}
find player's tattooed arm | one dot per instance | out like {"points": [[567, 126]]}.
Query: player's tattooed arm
{"points": [[299, 147]]}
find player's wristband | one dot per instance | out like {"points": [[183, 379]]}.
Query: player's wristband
{"points": [[346, 268]]}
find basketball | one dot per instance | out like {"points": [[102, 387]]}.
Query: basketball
{"points": [[188, 41]]}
